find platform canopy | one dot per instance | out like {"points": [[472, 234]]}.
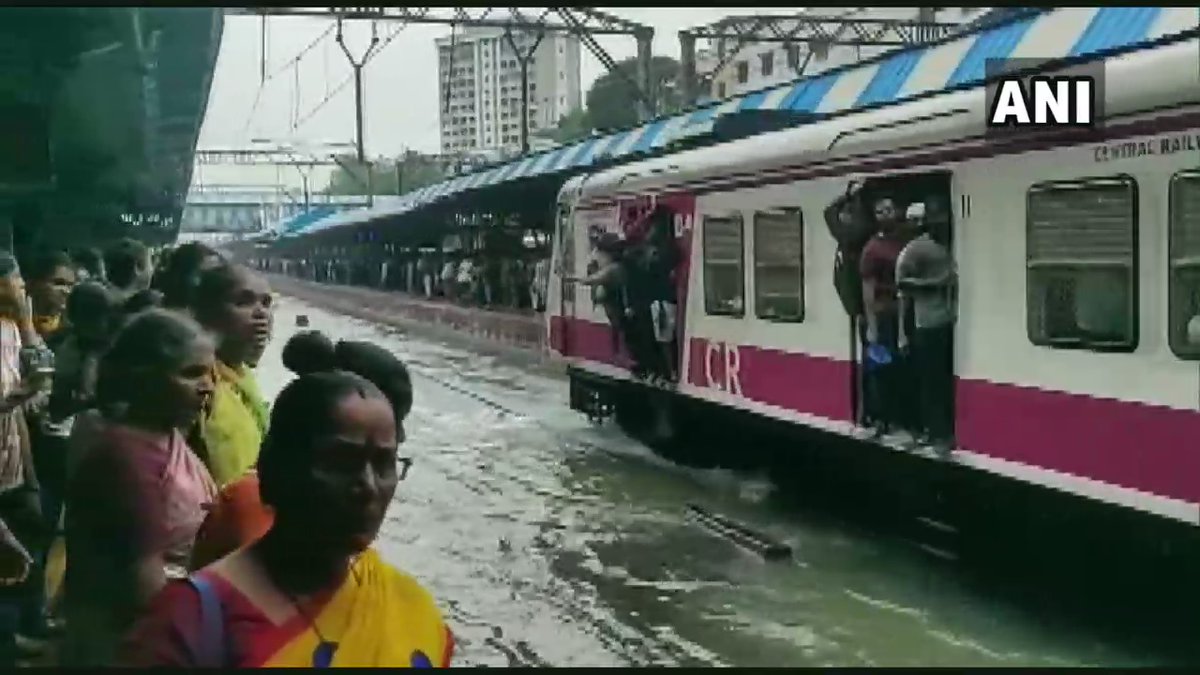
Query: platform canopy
{"points": [[112, 100]]}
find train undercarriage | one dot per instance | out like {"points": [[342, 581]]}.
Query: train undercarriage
{"points": [[1015, 532]]}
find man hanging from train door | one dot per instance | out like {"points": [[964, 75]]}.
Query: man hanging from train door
{"points": [[606, 277], [927, 280], [662, 259], [878, 269], [851, 227]]}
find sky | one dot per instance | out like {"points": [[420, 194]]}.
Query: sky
{"points": [[401, 111]]}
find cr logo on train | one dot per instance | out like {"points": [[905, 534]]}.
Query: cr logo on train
{"points": [[722, 364]]}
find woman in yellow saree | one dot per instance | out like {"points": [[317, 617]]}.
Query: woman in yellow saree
{"points": [[311, 592], [235, 304]]}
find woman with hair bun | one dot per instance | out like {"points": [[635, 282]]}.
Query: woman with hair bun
{"points": [[179, 275], [311, 592], [239, 517]]}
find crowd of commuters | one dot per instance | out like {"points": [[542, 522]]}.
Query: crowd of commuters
{"points": [[480, 278], [633, 279], [897, 279], [156, 510]]}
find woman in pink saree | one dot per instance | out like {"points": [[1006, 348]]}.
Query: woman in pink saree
{"points": [[138, 494]]}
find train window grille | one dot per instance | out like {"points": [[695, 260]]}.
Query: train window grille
{"points": [[724, 273], [1081, 264], [779, 265], [1183, 280]]}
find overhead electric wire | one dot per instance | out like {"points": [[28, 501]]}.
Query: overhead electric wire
{"points": [[295, 60], [347, 81]]}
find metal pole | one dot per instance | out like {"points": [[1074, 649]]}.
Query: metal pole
{"points": [[359, 99], [358, 112], [523, 58], [646, 107], [524, 106], [399, 176], [262, 45], [370, 184], [687, 67]]}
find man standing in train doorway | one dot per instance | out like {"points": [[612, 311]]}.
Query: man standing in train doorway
{"points": [[877, 267], [662, 259], [927, 279]]}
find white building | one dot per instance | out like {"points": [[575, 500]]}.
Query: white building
{"points": [[483, 109], [760, 65]]}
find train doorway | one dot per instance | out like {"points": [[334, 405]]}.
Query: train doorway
{"points": [[903, 344]]}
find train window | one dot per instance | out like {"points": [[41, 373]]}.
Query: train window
{"points": [[1081, 264], [724, 276], [1183, 280], [779, 265]]}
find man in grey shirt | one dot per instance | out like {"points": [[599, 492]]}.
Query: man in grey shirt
{"points": [[927, 281]]}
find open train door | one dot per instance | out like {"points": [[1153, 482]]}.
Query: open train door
{"points": [[936, 190], [635, 226]]}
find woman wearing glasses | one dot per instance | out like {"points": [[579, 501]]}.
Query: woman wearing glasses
{"points": [[309, 591]]}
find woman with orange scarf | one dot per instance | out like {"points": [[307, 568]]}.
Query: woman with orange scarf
{"points": [[311, 592]]}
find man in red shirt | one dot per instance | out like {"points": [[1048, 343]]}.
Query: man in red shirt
{"points": [[878, 270]]}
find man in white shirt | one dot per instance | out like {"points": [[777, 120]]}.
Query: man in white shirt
{"points": [[927, 281]]}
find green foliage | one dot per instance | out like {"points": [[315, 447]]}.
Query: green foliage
{"points": [[611, 102], [571, 127], [416, 171]]}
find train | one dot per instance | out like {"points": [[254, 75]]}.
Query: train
{"points": [[1045, 225]]}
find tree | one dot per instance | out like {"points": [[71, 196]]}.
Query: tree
{"points": [[611, 102], [416, 171], [571, 127]]}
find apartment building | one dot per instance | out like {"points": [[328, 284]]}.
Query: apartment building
{"points": [[766, 64], [479, 87]]}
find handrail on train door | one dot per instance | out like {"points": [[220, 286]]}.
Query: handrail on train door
{"points": [[562, 229]]}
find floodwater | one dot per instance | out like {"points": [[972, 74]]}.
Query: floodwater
{"points": [[549, 541]]}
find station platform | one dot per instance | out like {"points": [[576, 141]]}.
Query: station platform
{"points": [[513, 328]]}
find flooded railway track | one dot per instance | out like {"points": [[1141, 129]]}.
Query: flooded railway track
{"points": [[552, 541]]}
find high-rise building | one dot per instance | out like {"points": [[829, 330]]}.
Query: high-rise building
{"points": [[479, 87], [760, 65]]}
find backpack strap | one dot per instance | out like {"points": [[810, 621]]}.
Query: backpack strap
{"points": [[212, 647]]}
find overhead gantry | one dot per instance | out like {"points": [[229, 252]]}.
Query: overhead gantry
{"points": [[730, 34], [584, 23]]}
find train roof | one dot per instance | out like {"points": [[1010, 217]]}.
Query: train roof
{"points": [[952, 115]]}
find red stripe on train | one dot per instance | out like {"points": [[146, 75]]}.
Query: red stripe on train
{"points": [[1129, 444]]}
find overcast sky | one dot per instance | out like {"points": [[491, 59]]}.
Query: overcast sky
{"points": [[401, 82]]}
